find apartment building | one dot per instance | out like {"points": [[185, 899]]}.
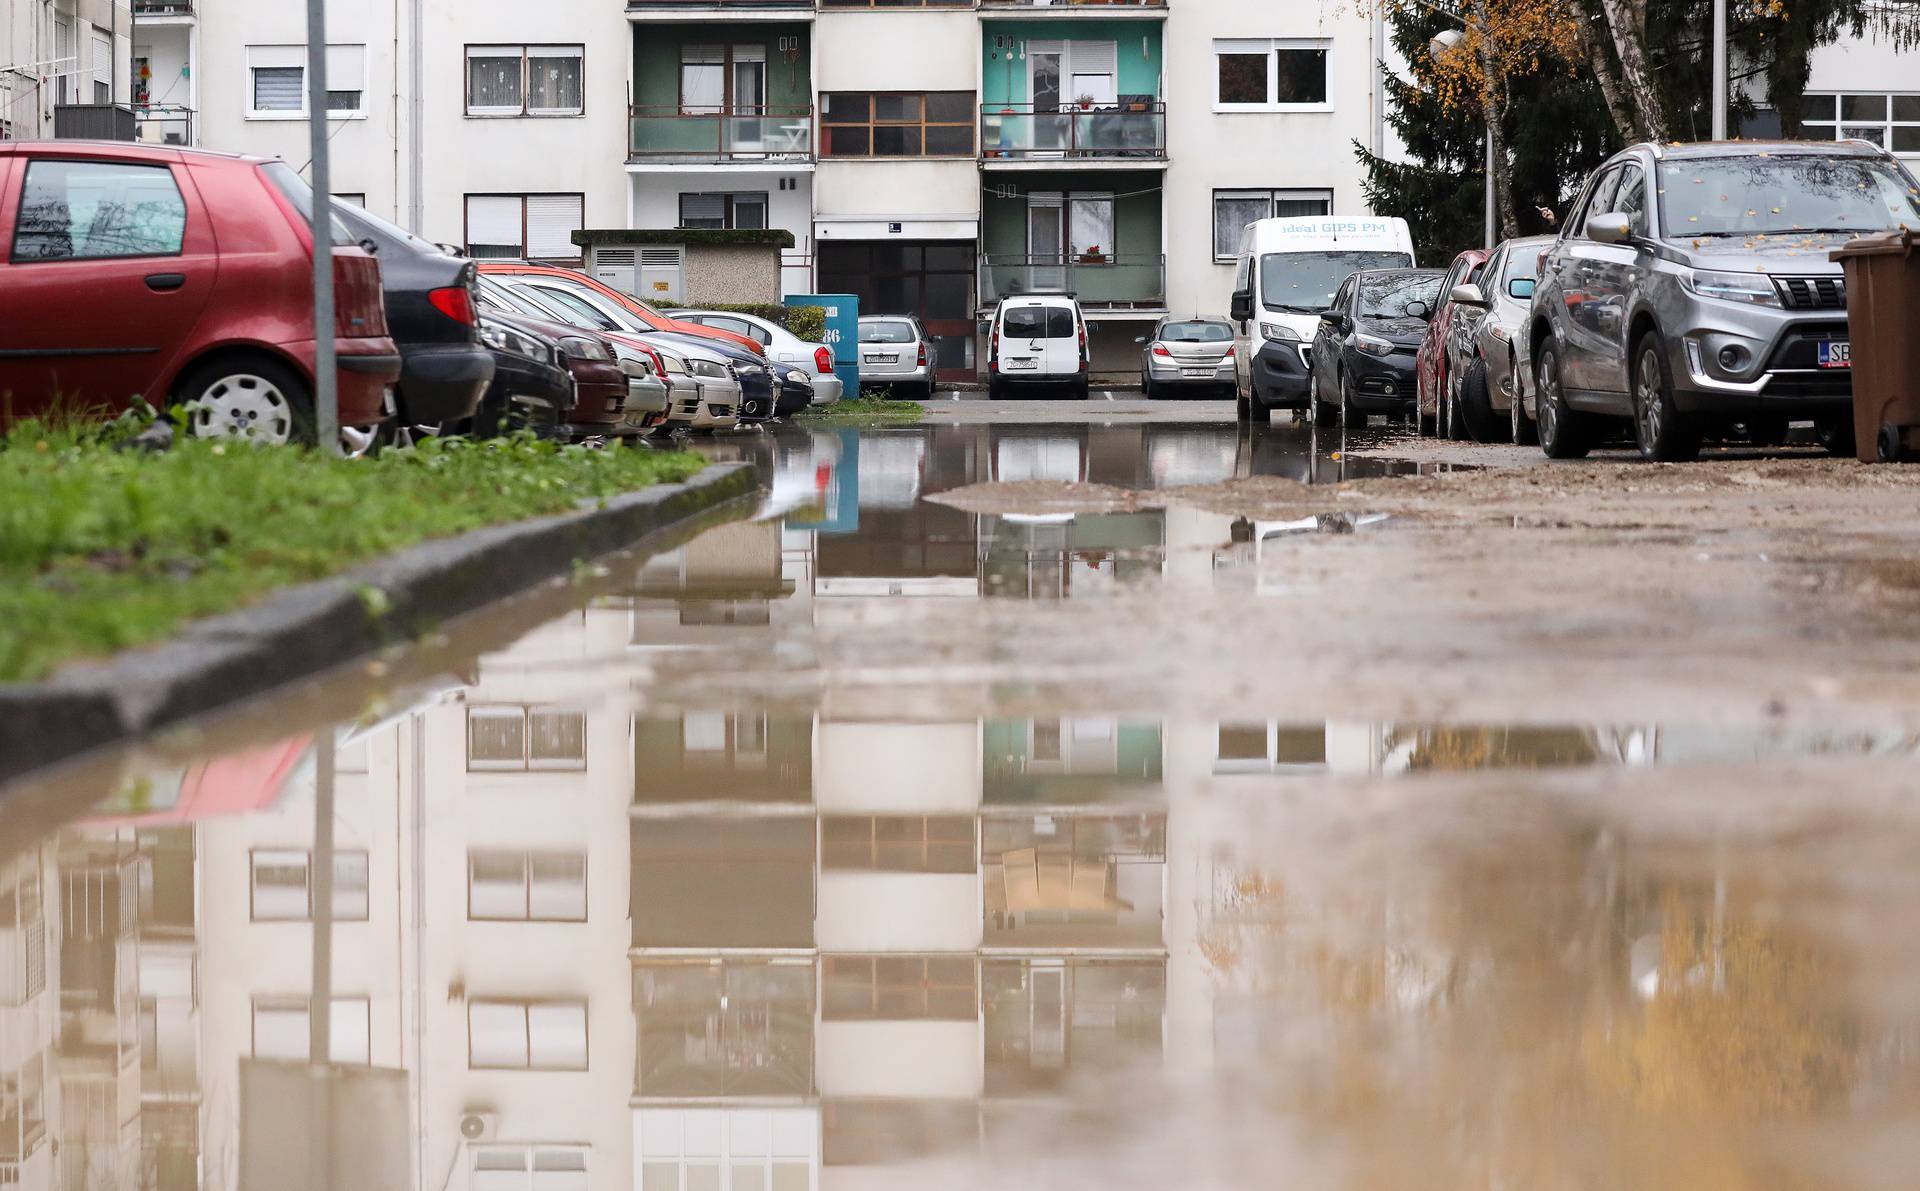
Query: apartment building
{"points": [[64, 68]]}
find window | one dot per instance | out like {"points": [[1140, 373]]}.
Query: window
{"points": [[903, 844], [277, 81], [102, 69], [723, 78], [1601, 200], [526, 80], [524, 738], [899, 988], [1270, 74], [860, 124], [534, 226], [1631, 200], [1233, 210], [527, 1035], [745, 209], [527, 886], [283, 892], [90, 210], [529, 1168], [283, 1030], [23, 940], [1888, 120]]}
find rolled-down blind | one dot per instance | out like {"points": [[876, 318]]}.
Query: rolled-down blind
{"points": [[698, 210], [279, 88], [346, 68], [551, 221], [493, 220]]}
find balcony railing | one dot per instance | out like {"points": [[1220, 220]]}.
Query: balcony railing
{"points": [[1100, 280], [93, 121], [721, 134], [163, 8], [1116, 131], [163, 123], [1024, 4]]}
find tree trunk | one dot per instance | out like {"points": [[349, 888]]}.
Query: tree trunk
{"points": [[1626, 22], [1624, 119], [1494, 108]]}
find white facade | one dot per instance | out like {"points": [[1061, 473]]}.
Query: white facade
{"points": [[57, 53]]}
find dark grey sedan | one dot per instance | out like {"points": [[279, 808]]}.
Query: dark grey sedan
{"points": [[1184, 355]]}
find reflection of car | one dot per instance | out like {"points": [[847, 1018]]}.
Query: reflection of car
{"points": [[1690, 289], [1363, 356], [429, 291], [1432, 376], [897, 353], [1481, 355], [1038, 340], [1187, 353], [1039, 457], [782, 346], [179, 276], [1179, 456]]}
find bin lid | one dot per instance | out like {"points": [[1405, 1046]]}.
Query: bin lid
{"points": [[1902, 240]]}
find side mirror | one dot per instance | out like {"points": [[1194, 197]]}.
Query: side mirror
{"points": [[1242, 308], [1140, 339], [1611, 228], [1521, 288], [1467, 294], [1419, 309]]}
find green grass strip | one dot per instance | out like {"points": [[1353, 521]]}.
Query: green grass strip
{"points": [[102, 550], [863, 411]]}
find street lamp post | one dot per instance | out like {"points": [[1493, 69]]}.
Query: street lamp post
{"points": [[1443, 43], [326, 392], [1719, 70]]}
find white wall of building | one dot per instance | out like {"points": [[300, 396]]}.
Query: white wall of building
{"points": [[906, 50]]}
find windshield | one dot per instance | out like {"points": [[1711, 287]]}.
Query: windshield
{"points": [[886, 332], [519, 302], [355, 213], [1763, 195], [1304, 282], [588, 304], [297, 192], [1196, 332], [1387, 296]]}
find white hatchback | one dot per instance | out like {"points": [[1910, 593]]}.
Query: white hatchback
{"points": [[1038, 341]]}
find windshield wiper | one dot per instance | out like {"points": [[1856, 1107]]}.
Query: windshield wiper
{"points": [[1298, 309]]}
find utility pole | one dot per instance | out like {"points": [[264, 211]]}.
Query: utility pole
{"points": [[326, 380], [1719, 70]]}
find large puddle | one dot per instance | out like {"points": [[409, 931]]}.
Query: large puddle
{"points": [[583, 937]]}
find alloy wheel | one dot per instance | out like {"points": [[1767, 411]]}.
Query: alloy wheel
{"points": [[1546, 403], [243, 405], [1648, 404]]}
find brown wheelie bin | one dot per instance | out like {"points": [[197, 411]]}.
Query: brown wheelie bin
{"points": [[1883, 325]]}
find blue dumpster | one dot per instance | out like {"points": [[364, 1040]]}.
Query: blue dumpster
{"points": [[843, 334]]}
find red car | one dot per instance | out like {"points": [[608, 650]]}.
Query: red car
{"points": [[180, 276], [1430, 366]]}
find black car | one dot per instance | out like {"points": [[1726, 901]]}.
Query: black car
{"points": [[758, 400], [1363, 354], [795, 391], [530, 390], [445, 368]]}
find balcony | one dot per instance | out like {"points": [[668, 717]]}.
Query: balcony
{"points": [[732, 135], [1073, 8], [93, 121], [671, 9], [163, 124], [147, 9], [1110, 281], [1130, 131]]}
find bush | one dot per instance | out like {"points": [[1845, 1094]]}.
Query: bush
{"points": [[807, 322]]}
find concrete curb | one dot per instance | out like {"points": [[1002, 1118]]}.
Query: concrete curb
{"points": [[303, 630]]}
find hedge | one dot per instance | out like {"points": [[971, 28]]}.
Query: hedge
{"points": [[807, 322]]}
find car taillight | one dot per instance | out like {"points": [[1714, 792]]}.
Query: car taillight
{"points": [[1229, 354], [1160, 349], [921, 362], [993, 348], [822, 360], [454, 301], [1085, 359]]}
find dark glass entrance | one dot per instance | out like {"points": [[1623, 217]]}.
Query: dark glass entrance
{"points": [[929, 278]]}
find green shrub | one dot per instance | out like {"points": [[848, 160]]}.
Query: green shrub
{"points": [[808, 322]]}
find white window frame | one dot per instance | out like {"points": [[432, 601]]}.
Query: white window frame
{"points": [[344, 61], [303, 1005], [1840, 124], [526, 1009], [487, 1179], [526, 199], [1270, 195], [1270, 46], [527, 54], [305, 858], [102, 62], [526, 764], [527, 909]]}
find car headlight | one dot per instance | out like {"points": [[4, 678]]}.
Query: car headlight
{"points": [[1499, 332], [798, 377], [711, 369], [1752, 289], [504, 339], [631, 362], [586, 349], [1278, 333], [1373, 345]]}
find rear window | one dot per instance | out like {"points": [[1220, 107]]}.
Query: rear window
{"points": [[295, 189], [1039, 322], [1196, 332], [887, 332]]}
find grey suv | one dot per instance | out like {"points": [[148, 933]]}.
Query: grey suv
{"points": [[1690, 290]]}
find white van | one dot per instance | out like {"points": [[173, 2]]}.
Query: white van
{"points": [[1038, 340], [1286, 275]]}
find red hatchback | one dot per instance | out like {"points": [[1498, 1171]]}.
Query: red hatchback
{"points": [[180, 276], [1430, 369]]}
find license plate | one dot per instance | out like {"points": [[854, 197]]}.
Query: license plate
{"points": [[1016, 364], [878, 359], [1196, 373], [1836, 353]]}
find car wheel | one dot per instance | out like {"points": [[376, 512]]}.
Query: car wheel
{"points": [[1475, 406], [1257, 412], [259, 400], [1083, 391], [1891, 445], [1350, 415], [1146, 387], [1664, 434], [1323, 413], [1836, 435], [1564, 433], [1456, 418], [928, 390], [1769, 430], [1522, 430]]}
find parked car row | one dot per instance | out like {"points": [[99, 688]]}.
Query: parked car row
{"points": [[1688, 295], [183, 277]]}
